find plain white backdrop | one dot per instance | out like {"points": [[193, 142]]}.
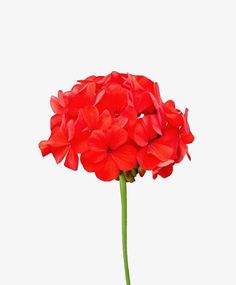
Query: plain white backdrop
{"points": [[63, 227]]}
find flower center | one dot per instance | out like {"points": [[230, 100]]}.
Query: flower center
{"points": [[152, 140], [109, 150]]}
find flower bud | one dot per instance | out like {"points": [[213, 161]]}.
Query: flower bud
{"points": [[141, 171], [129, 177]]}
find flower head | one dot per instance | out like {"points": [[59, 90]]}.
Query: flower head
{"points": [[117, 123]]}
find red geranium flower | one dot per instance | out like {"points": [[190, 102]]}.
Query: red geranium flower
{"points": [[117, 122], [109, 152]]}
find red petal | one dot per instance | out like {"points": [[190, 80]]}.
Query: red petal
{"points": [[56, 107], [91, 89], [141, 88], [77, 88], [105, 120], [156, 124], [108, 170], [131, 114], [80, 143], [61, 100], [187, 138], [72, 160], [55, 121], [161, 151], [186, 125], [140, 136], [120, 121], [57, 138], [143, 102], [100, 96], [146, 160], [70, 130], [174, 119], [185, 133], [59, 153], [91, 116], [115, 137], [115, 99], [118, 97], [165, 163], [147, 122], [88, 166], [97, 141], [125, 157], [57, 144], [157, 101], [95, 156], [170, 138], [174, 116], [169, 105], [183, 149], [163, 172], [166, 171], [44, 147]]}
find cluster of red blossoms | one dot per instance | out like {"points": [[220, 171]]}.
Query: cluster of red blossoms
{"points": [[117, 123]]}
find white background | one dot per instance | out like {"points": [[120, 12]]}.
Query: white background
{"points": [[63, 227]]}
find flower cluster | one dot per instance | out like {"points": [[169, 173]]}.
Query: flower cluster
{"points": [[117, 123]]}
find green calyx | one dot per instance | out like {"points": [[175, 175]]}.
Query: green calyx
{"points": [[131, 174]]}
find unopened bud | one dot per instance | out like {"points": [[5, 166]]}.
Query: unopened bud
{"points": [[134, 172], [141, 171], [128, 176]]}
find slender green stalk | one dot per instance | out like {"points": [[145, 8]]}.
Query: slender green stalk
{"points": [[123, 193]]}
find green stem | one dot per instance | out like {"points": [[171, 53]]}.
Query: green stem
{"points": [[123, 194]]}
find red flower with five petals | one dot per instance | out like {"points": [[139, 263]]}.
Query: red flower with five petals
{"points": [[109, 153]]}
